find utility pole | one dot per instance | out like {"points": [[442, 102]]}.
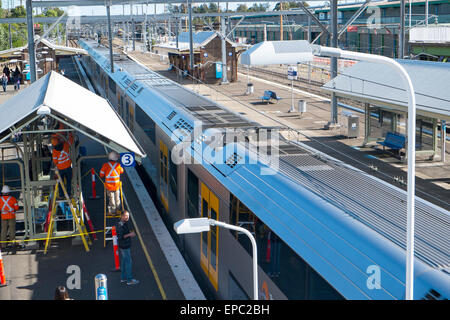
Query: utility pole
{"points": [[111, 57], [31, 48], [334, 62], [191, 44], [224, 52], [401, 35]]}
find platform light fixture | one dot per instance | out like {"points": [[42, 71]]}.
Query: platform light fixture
{"points": [[196, 225], [322, 51]]}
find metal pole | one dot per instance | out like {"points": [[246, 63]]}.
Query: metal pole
{"points": [[401, 35], [10, 36], [254, 247], [443, 134], [31, 48], [191, 44], [426, 13], [409, 288], [410, 7], [224, 52], [111, 56], [132, 28], [334, 61]]}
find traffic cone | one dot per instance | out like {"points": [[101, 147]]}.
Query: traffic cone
{"points": [[2, 272], [116, 249], [88, 218], [94, 192]]}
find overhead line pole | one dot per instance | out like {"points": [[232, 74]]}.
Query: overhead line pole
{"points": [[111, 57], [31, 47]]}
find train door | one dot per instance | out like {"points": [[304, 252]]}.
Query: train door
{"points": [[164, 175], [209, 244]]}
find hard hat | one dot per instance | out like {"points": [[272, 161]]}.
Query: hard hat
{"points": [[5, 189], [113, 155], [54, 141]]}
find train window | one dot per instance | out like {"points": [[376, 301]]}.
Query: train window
{"points": [[112, 85], [163, 180], [277, 259], [127, 112], [146, 123], [192, 195], [173, 181], [209, 244]]}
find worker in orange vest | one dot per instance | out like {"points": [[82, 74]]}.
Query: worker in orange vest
{"points": [[112, 170], [8, 207], [61, 159]]}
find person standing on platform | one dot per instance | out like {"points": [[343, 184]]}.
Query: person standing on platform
{"points": [[124, 235], [61, 158], [111, 171], [4, 81], [8, 207]]}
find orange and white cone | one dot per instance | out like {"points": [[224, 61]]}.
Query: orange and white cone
{"points": [[116, 249], [2, 272]]}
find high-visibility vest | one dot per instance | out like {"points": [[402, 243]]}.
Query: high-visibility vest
{"points": [[111, 170], [8, 207], [62, 158]]}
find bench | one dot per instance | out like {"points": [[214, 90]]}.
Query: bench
{"points": [[268, 96], [393, 141]]}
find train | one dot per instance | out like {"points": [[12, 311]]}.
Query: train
{"points": [[323, 229]]}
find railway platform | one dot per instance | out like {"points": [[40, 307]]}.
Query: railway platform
{"points": [[33, 273]]}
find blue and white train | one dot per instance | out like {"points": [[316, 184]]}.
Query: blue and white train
{"points": [[324, 230]]}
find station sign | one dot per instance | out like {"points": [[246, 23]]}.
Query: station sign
{"points": [[292, 73], [127, 159]]}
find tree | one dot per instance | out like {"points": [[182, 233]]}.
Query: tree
{"points": [[242, 8]]}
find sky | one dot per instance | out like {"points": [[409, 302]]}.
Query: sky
{"points": [[97, 10]]}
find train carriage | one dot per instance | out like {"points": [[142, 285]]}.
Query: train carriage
{"points": [[324, 230]]}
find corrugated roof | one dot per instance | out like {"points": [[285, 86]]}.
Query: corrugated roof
{"points": [[88, 112], [277, 52], [379, 85]]}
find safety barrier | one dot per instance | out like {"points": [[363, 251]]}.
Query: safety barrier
{"points": [[94, 192], [116, 249], [2, 272]]}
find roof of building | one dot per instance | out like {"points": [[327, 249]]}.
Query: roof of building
{"points": [[81, 109], [59, 49], [277, 52], [199, 39], [379, 85]]}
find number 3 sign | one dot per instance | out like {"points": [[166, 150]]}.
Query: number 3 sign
{"points": [[127, 159]]}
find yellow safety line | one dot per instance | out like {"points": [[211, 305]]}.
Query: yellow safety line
{"points": [[149, 260], [58, 237]]}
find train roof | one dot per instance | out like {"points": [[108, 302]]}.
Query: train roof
{"points": [[337, 218]]}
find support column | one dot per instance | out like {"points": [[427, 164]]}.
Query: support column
{"points": [[366, 123], [31, 48], [111, 56], [334, 61], [10, 36], [191, 44], [133, 37], [443, 139], [401, 35], [224, 52]]}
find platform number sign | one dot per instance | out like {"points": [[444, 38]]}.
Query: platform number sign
{"points": [[292, 73], [127, 159]]}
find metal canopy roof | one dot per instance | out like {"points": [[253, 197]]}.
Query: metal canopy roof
{"points": [[277, 52], [379, 85], [56, 96]]}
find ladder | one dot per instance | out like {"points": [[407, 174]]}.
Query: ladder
{"points": [[75, 214]]}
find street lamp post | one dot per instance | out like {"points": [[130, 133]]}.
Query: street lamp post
{"points": [[411, 161], [196, 225]]}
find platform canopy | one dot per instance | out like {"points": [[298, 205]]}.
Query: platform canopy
{"points": [[278, 52], [78, 108], [379, 85]]}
